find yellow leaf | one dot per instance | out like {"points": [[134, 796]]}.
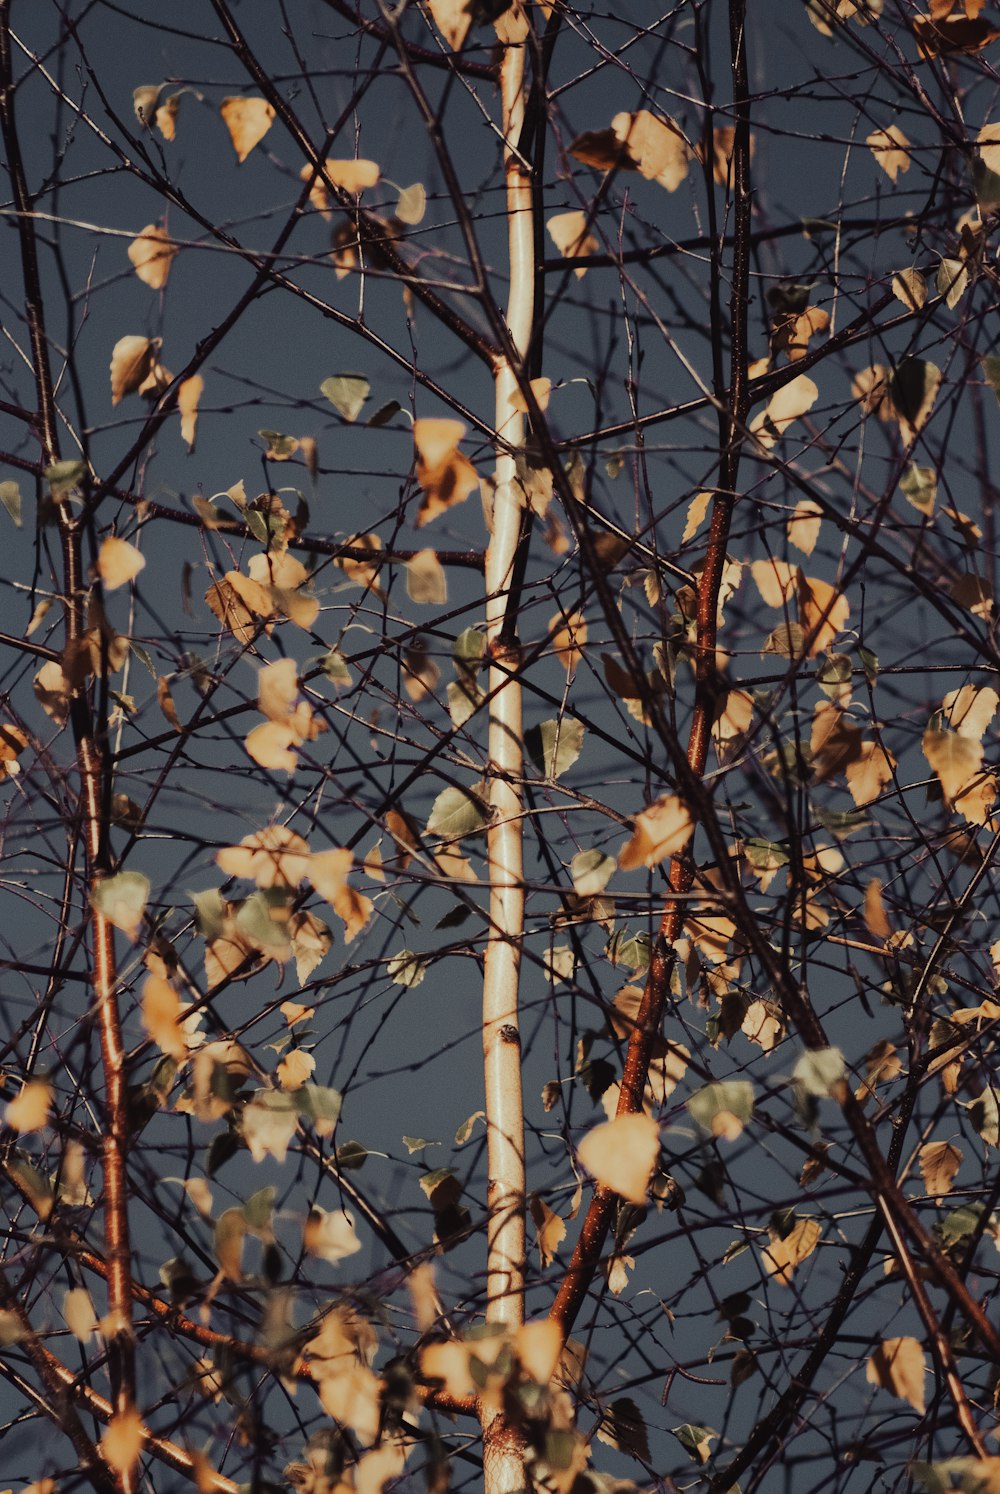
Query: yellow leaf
{"points": [[876, 919], [379, 1468], [330, 1236], [273, 857], [161, 1017], [788, 403], [956, 760], [122, 1440], [166, 116], [539, 1346], [132, 359], [776, 581], [295, 1069], [78, 1310], [803, 526], [899, 1366], [353, 1399], [270, 1120], [782, 1256], [723, 140], [868, 772], [823, 612], [891, 150], [662, 829], [29, 1111], [188, 395], [328, 872], [118, 562], [621, 1154], [540, 388], [550, 1229], [870, 387], [445, 474], [569, 635], [697, 509], [152, 253], [569, 233], [354, 908], [248, 121], [318, 195], [970, 709], [988, 141], [271, 745], [656, 146], [353, 175], [618, 1268], [761, 1026], [449, 1364]]}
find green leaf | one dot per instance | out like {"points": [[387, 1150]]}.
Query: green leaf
{"points": [[122, 899], [255, 921], [346, 393], [469, 647], [64, 476], [628, 949], [407, 968], [952, 281], [317, 1102], [279, 447], [456, 812], [986, 185], [919, 485], [256, 525], [727, 1097], [555, 745], [985, 1116], [869, 663], [991, 368], [210, 912], [819, 1070], [258, 1209], [352, 1156], [383, 414], [834, 675], [334, 666], [787, 640], [467, 1127], [464, 700], [10, 497], [694, 1440], [417, 1143], [591, 872]]}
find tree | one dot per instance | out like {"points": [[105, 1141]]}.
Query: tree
{"points": [[526, 589]]}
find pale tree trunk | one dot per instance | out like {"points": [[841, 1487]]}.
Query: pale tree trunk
{"points": [[503, 1458]]}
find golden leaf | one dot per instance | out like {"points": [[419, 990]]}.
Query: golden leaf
{"points": [[354, 908], [445, 474], [876, 919], [776, 581], [823, 612], [152, 253], [353, 1398], [271, 745], [122, 1440], [318, 195], [425, 579], [569, 635], [970, 710], [453, 19], [29, 1110], [956, 759], [788, 403], [539, 1346], [78, 1310], [657, 148], [161, 1017], [899, 1366], [621, 1154], [353, 175], [248, 121], [273, 857], [782, 1256], [868, 772], [697, 509], [295, 1069], [662, 829], [330, 1236], [550, 1229], [569, 233], [188, 395], [132, 360], [891, 150], [166, 116], [988, 141], [952, 35], [803, 527], [118, 562]]}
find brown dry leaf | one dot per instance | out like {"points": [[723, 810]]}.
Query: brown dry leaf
{"points": [[445, 474], [420, 673], [122, 1440], [165, 701], [970, 710], [550, 1229], [803, 527], [569, 635], [426, 583], [834, 741], [161, 1017], [899, 1366], [12, 741], [621, 1155], [939, 1163], [273, 857], [248, 121], [656, 146], [118, 562], [787, 404], [603, 150], [782, 1256], [352, 176], [569, 233], [794, 334], [662, 829], [225, 602], [953, 35], [891, 150], [876, 919], [869, 772], [29, 1110], [451, 864], [453, 19], [152, 253], [132, 360], [354, 908], [188, 395]]}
